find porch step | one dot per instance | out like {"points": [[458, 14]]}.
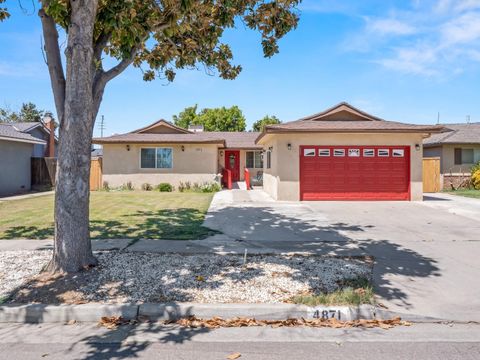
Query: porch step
{"points": [[240, 185]]}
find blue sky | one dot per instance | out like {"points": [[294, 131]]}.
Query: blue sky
{"points": [[401, 60]]}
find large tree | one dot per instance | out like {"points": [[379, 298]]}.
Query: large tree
{"points": [[259, 125], [158, 36], [216, 119], [28, 113]]}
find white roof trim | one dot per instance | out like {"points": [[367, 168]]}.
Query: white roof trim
{"points": [[6, 138]]}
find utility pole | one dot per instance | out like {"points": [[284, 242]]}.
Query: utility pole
{"points": [[468, 119], [102, 126], [438, 118]]}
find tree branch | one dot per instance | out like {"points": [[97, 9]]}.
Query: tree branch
{"points": [[54, 62]]}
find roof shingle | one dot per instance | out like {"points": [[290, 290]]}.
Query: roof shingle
{"points": [[458, 134], [10, 132]]}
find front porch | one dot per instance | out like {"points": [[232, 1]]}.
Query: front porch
{"points": [[241, 168]]}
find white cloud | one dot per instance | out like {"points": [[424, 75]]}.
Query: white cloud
{"points": [[390, 27], [463, 29], [431, 38]]}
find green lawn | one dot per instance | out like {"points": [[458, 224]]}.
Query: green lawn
{"points": [[466, 192], [119, 214]]}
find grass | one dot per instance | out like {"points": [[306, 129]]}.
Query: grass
{"points": [[471, 193], [352, 292], [119, 214]]}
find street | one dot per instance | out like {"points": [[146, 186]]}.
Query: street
{"points": [[151, 341]]}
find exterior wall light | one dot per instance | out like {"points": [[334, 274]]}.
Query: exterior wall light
{"points": [[417, 147], [289, 146], [221, 152], [128, 147], [183, 147]]}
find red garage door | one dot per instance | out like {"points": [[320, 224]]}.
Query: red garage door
{"points": [[355, 173]]}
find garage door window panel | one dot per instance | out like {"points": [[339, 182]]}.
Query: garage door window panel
{"points": [[339, 152]]}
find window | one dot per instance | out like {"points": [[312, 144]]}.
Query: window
{"points": [[254, 160], [159, 158], [339, 152], [368, 152], [353, 152], [269, 159], [383, 152], [398, 153], [324, 152], [464, 156], [147, 158], [308, 152]]}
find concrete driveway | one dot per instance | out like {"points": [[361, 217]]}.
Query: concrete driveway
{"points": [[427, 253]]}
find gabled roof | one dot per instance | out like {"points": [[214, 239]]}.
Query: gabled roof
{"points": [[347, 119], [159, 124], [457, 134], [10, 132], [164, 132]]}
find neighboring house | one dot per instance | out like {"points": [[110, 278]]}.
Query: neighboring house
{"points": [[458, 149], [19, 142], [16, 149], [340, 154]]}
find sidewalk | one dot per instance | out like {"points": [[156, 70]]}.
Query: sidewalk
{"points": [[27, 196]]}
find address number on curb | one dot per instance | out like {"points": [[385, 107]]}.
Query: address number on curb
{"points": [[327, 314]]}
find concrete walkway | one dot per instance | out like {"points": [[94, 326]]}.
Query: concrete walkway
{"points": [[27, 196]]}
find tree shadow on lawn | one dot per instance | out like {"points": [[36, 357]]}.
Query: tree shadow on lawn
{"points": [[169, 224]]}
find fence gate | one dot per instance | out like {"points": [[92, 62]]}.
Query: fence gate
{"points": [[431, 175], [96, 174]]}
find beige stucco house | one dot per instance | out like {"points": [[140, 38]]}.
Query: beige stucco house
{"points": [[342, 153], [458, 149]]}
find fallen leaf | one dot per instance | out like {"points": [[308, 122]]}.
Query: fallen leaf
{"points": [[112, 322], [218, 322], [234, 356], [200, 278], [71, 322], [44, 355]]}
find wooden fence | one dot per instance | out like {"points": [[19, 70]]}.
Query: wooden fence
{"points": [[431, 175], [44, 170], [96, 182]]}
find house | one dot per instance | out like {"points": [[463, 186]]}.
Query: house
{"points": [[458, 149], [19, 142], [342, 153]]}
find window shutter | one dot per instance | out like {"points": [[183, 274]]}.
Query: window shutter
{"points": [[458, 156]]}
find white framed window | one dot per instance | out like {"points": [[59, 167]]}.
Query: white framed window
{"points": [[324, 152], [398, 152], [254, 160], [339, 152], [383, 152], [368, 152], [156, 158], [354, 152], [308, 152]]}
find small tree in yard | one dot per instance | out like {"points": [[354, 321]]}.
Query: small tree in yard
{"points": [[158, 36]]}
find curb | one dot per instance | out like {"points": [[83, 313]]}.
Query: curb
{"points": [[42, 313]]}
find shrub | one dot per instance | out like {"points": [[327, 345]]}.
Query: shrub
{"points": [[164, 187], [476, 179], [211, 187], [184, 186], [147, 187], [127, 186], [105, 186]]}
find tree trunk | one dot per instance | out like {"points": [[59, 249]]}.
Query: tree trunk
{"points": [[72, 246]]}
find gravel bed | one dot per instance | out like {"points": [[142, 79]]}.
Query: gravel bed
{"points": [[17, 266], [145, 277]]}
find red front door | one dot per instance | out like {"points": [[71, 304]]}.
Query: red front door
{"points": [[232, 163]]}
